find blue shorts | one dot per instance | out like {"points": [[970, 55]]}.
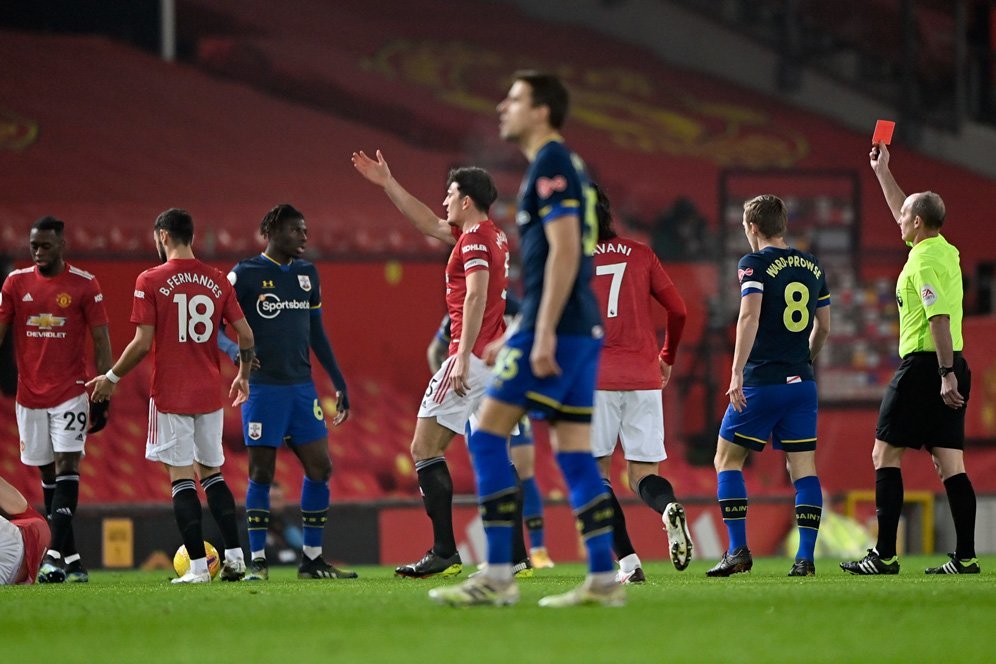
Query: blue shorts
{"points": [[525, 435], [785, 413], [569, 397], [275, 414]]}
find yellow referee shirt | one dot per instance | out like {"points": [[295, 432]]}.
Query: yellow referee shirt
{"points": [[929, 285]]}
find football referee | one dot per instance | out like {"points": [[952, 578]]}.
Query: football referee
{"points": [[924, 405]]}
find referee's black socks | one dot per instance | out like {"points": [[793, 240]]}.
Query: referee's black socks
{"points": [[888, 507], [961, 498]]}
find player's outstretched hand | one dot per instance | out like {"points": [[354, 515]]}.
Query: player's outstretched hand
{"points": [[239, 391], [459, 373], [341, 412], [665, 373], [949, 392], [377, 172], [879, 158], [98, 416], [736, 392], [543, 357], [102, 388]]}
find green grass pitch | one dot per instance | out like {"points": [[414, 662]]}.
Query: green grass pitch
{"points": [[676, 617]]}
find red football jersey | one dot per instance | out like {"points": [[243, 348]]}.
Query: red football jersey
{"points": [[52, 317], [480, 247], [628, 278], [36, 534], [185, 300]]}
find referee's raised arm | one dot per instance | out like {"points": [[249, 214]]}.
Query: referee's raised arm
{"points": [[894, 196]]}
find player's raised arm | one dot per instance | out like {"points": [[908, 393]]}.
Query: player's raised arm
{"points": [[424, 219], [894, 196]]}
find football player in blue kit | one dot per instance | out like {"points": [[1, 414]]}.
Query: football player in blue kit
{"points": [[784, 321], [549, 361], [280, 293], [522, 450]]}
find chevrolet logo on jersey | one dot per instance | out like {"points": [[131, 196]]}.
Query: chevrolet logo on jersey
{"points": [[45, 324], [269, 305], [267, 283]]}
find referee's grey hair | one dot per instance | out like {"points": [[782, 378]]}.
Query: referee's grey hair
{"points": [[930, 207]]}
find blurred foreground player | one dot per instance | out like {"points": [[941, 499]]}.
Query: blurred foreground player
{"points": [[631, 374], [177, 312], [784, 322], [522, 450], [924, 405], [51, 307], [548, 364], [24, 537], [281, 295]]}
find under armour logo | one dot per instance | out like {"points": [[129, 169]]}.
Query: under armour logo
{"points": [[267, 283]]}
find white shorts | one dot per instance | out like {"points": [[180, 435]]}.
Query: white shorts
{"points": [[443, 403], [635, 417], [180, 440], [45, 431], [11, 551]]}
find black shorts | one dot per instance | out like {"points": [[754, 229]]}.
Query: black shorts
{"points": [[913, 413]]}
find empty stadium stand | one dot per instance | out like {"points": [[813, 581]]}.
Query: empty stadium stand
{"points": [[275, 97]]}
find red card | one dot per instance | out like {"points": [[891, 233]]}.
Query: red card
{"points": [[883, 132]]}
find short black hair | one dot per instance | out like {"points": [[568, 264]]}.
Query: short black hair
{"points": [[769, 213], [929, 207], [603, 212], [476, 183], [549, 91], [49, 223], [277, 215], [178, 224]]}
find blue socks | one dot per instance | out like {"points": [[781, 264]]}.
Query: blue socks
{"points": [[497, 487], [314, 510], [257, 515], [732, 494], [808, 511], [532, 512], [592, 507]]}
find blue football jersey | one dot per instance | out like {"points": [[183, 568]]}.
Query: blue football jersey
{"points": [[278, 301], [792, 285], [556, 184]]}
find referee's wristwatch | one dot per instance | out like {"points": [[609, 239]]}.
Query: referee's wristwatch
{"points": [[944, 371]]}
